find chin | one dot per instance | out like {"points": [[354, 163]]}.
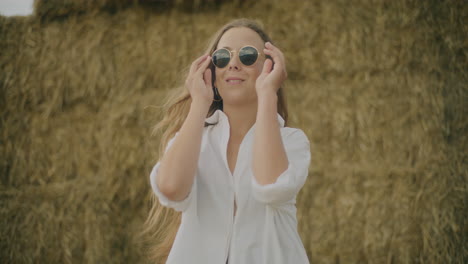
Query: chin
{"points": [[239, 99], [238, 94]]}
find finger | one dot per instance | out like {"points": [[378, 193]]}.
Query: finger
{"points": [[277, 57], [207, 78], [196, 63], [204, 65], [278, 63], [274, 52], [267, 66], [270, 46]]}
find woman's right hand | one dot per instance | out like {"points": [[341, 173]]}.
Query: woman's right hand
{"points": [[198, 81]]}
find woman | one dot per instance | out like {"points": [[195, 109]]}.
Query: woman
{"points": [[233, 169]]}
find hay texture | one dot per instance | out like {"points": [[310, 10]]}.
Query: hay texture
{"points": [[379, 87]]}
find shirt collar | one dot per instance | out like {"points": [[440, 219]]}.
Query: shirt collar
{"points": [[219, 115]]}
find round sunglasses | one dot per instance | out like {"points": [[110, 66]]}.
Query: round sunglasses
{"points": [[248, 55]]}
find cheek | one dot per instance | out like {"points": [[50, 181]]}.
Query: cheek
{"points": [[259, 66], [257, 70]]}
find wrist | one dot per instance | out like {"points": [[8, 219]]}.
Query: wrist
{"points": [[200, 106], [267, 97]]}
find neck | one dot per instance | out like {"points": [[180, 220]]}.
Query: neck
{"points": [[241, 118]]}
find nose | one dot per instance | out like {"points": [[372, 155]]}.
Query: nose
{"points": [[234, 63]]}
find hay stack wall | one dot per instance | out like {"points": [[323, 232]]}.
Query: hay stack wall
{"points": [[379, 87]]}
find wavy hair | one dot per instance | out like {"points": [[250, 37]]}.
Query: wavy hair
{"points": [[162, 223]]}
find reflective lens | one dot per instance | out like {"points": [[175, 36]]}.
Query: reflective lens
{"points": [[248, 55], [221, 58]]}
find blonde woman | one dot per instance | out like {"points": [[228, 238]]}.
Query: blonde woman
{"points": [[230, 165]]}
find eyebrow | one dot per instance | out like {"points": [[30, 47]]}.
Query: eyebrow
{"points": [[226, 47]]}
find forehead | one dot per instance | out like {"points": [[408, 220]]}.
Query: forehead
{"points": [[236, 38]]}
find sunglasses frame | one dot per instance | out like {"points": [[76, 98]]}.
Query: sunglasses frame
{"points": [[231, 56]]}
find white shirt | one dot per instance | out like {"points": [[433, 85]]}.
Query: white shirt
{"points": [[264, 228]]}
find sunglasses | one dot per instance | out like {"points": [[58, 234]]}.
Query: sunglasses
{"points": [[248, 55]]}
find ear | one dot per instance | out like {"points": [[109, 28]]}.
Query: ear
{"points": [[273, 62]]}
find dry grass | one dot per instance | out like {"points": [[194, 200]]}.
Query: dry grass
{"points": [[380, 88]]}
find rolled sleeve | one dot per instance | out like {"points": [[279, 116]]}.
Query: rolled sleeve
{"points": [[181, 205], [289, 183]]}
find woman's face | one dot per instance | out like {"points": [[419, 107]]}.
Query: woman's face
{"points": [[236, 81]]}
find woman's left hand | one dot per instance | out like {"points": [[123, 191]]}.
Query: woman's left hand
{"points": [[272, 76]]}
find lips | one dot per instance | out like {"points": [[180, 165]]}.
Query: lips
{"points": [[234, 80]]}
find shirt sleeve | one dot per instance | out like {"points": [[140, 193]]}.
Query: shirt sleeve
{"points": [[179, 206], [289, 183]]}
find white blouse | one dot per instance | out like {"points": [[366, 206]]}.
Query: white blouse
{"points": [[264, 227]]}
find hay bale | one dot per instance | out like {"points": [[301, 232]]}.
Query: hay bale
{"points": [[59, 9], [378, 86]]}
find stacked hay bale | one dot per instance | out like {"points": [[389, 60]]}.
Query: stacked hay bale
{"points": [[378, 86]]}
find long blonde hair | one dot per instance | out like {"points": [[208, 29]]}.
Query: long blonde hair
{"points": [[162, 223]]}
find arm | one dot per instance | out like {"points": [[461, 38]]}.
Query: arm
{"points": [[289, 183], [269, 155], [174, 180], [281, 161]]}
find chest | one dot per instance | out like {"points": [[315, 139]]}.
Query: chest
{"points": [[232, 153], [225, 169]]}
